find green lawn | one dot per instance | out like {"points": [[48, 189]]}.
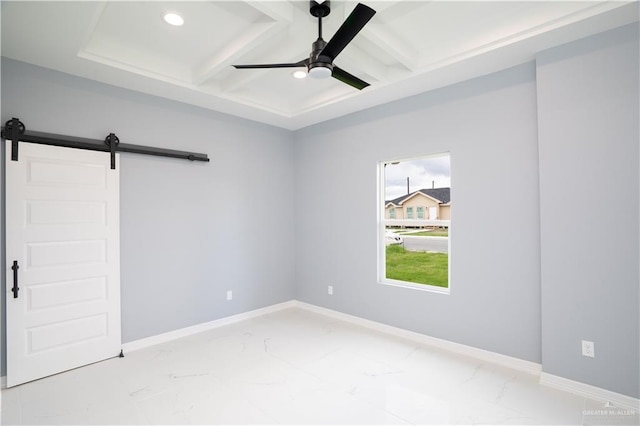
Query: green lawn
{"points": [[434, 233], [417, 267]]}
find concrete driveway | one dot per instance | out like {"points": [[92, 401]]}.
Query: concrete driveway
{"points": [[435, 244]]}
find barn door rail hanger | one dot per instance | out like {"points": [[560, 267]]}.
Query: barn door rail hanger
{"points": [[15, 130]]}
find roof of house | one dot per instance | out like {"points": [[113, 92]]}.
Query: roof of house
{"points": [[441, 194]]}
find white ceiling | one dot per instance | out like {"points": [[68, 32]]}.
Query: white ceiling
{"points": [[407, 48]]}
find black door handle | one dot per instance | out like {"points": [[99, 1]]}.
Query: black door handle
{"points": [[15, 288]]}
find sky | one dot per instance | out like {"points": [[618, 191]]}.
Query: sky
{"points": [[422, 173]]}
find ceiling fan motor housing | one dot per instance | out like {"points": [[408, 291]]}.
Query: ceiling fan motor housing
{"points": [[319, 61]]}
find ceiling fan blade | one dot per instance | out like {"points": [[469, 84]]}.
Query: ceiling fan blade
{"points": [[351, 26], [302, 63], [350, 79]]}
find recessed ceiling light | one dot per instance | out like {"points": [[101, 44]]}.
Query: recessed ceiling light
{"points": [[299, 74], [173, 18]]}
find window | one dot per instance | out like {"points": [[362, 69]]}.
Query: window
{"points": [[414, 247]]}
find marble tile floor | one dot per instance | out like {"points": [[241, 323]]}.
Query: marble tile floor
{"points": [[296, 367]]}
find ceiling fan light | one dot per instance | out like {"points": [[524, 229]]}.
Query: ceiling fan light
{"points": [[173, 18], [320, 72], [299, 74]]}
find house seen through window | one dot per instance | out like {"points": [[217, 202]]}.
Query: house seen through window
{"points": [[415, 212]]}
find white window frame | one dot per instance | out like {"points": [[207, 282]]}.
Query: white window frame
{"points": [[383, 222]]}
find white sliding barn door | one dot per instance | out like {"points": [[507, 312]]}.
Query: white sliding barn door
{"points": [[62, 213]]}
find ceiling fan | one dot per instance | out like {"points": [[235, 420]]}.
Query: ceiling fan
{"points": [[320, 62]]}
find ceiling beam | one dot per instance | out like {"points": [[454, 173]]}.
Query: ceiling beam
{"points": [[279, 15], [394, 45], [256, 33]]}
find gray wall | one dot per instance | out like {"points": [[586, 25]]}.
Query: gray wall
{"points": [[588, 138], [514, 290], [189, 231], [489, 127]]}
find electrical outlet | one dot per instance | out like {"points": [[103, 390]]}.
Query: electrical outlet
{"points": [[588, 349], [330, 290], [229, 294]]}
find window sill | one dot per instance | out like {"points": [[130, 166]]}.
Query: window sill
{"points": [[420, 287]]}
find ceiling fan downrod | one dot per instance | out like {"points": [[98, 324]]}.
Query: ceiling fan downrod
{"points": [[320, 10]]}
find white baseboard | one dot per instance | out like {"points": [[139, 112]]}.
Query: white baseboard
{"points": [[3, 382], [589, 391], [528, 367], [199, 328], [480, 354], [560, 383]]}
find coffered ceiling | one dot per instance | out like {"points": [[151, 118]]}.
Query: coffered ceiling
{"points": [[407, 48]]}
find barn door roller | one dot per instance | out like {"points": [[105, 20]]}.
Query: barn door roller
{"points": [[15, 130]]}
